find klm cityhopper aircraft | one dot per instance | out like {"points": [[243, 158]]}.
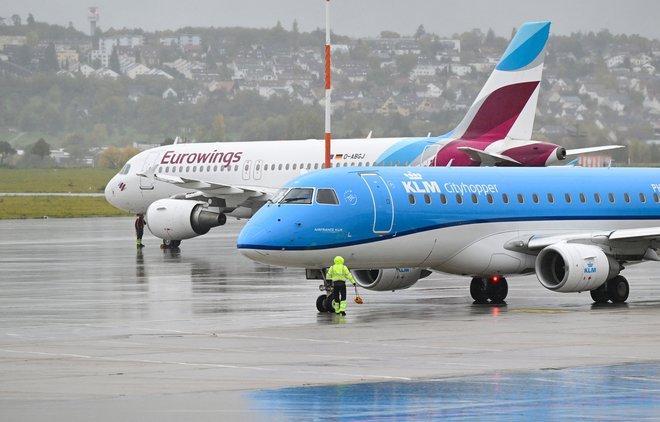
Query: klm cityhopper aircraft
{"points": [[576, 228]]}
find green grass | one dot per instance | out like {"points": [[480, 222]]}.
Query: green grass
{"points": [[74, 180], [12, 207]]}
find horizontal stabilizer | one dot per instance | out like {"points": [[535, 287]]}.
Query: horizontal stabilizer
{"points": [[487, 158], [580, 151]]}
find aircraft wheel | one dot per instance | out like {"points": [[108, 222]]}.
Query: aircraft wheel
{"points": [[320, 305], [478, 290], [600, 295], [167, 244], [618, 289], [498, 288], [327, 304]]}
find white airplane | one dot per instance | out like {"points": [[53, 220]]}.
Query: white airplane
{"points": [[575, 228], [186, 189]]}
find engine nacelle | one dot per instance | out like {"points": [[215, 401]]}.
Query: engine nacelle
{"points": [[178, 219], [389, 279], [571, 267]]}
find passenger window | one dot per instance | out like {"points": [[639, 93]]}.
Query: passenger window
{"points": [[187, 169], [160, 169], [235, 167], [293, 167], [411, 198], [568, 198], [551, 198], [474, 198], [642, 198], [656, 197], [490, 199], [459, 198], [597, 198], [279, 166], [286, 167], [626, 198], [180, 169], [167, 169], [611, 197], [427, 198], [535, 198], [316, 166], [583, 198], [299, 196], [521, 198], [215, 168], [327, 196], [443, 198], [505, 198]]}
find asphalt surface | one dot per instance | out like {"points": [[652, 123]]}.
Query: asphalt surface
{"points": [[92, 327]]}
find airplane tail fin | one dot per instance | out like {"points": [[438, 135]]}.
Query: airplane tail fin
{"points": [[506, 105]]}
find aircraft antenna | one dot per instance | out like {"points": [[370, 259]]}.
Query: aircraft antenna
{"points": [[328, 110]]}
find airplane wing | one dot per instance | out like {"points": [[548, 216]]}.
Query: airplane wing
{"points": [[487, 158], [580, 151], [636, 244], [213, 187]]}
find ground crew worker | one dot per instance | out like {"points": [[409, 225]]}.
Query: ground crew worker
{"points": [[338, 274], [139, 229]]}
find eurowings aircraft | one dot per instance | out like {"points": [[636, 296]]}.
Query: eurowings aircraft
{"points": [[186, 189], [575, 228]]}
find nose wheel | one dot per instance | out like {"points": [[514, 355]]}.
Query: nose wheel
{"points": [[493, 289]]}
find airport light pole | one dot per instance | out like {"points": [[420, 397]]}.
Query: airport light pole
{"points": [[328, 110]]}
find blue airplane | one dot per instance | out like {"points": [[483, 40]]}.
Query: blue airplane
{"points": [[575, 228]]}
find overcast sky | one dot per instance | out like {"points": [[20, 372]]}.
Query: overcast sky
{"points": [[353, 17]]}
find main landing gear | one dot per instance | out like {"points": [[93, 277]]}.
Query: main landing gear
{"points": [[615, 290], [493, 288], [170, 244]]}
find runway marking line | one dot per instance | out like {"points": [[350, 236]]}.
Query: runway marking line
{"points": [[539, 311]]}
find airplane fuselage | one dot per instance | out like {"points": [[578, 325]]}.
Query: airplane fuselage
{"points": [[471, 221]]}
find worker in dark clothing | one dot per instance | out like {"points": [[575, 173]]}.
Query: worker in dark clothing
{"points": [[339, 274], [139, 229]]}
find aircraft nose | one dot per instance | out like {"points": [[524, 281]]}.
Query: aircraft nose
{"points": [[110, 191]]}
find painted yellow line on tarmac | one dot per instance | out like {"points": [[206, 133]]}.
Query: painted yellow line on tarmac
{"points": [[540, 311]]}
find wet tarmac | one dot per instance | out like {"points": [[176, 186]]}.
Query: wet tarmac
{"points": [[90, 326]]}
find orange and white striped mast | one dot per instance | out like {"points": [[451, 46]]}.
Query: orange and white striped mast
{"points": [[328, 110]]}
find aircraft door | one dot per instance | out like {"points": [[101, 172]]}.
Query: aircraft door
{"points": [[258, 168], [150, 162], [382, 199], [246, 169]]}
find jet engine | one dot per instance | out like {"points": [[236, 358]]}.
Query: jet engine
{"points": [[177, 219], [389, 279], [568, 267]]}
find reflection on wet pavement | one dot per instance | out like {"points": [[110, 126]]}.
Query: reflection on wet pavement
{"points": [[619, 392]]}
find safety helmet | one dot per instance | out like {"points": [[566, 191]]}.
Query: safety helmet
{"points": [[339, 260]]}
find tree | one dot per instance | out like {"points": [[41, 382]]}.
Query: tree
{"points": [[110, 158], [41, 148], [16, 20], [6, 150], [30, 19], [50, 59], [420, 32], [113, 61], [217, 132]]}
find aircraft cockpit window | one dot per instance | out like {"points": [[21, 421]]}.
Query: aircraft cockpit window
{"points": [[279, 195], [298, 196], [125, 169], [327, 196]]}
